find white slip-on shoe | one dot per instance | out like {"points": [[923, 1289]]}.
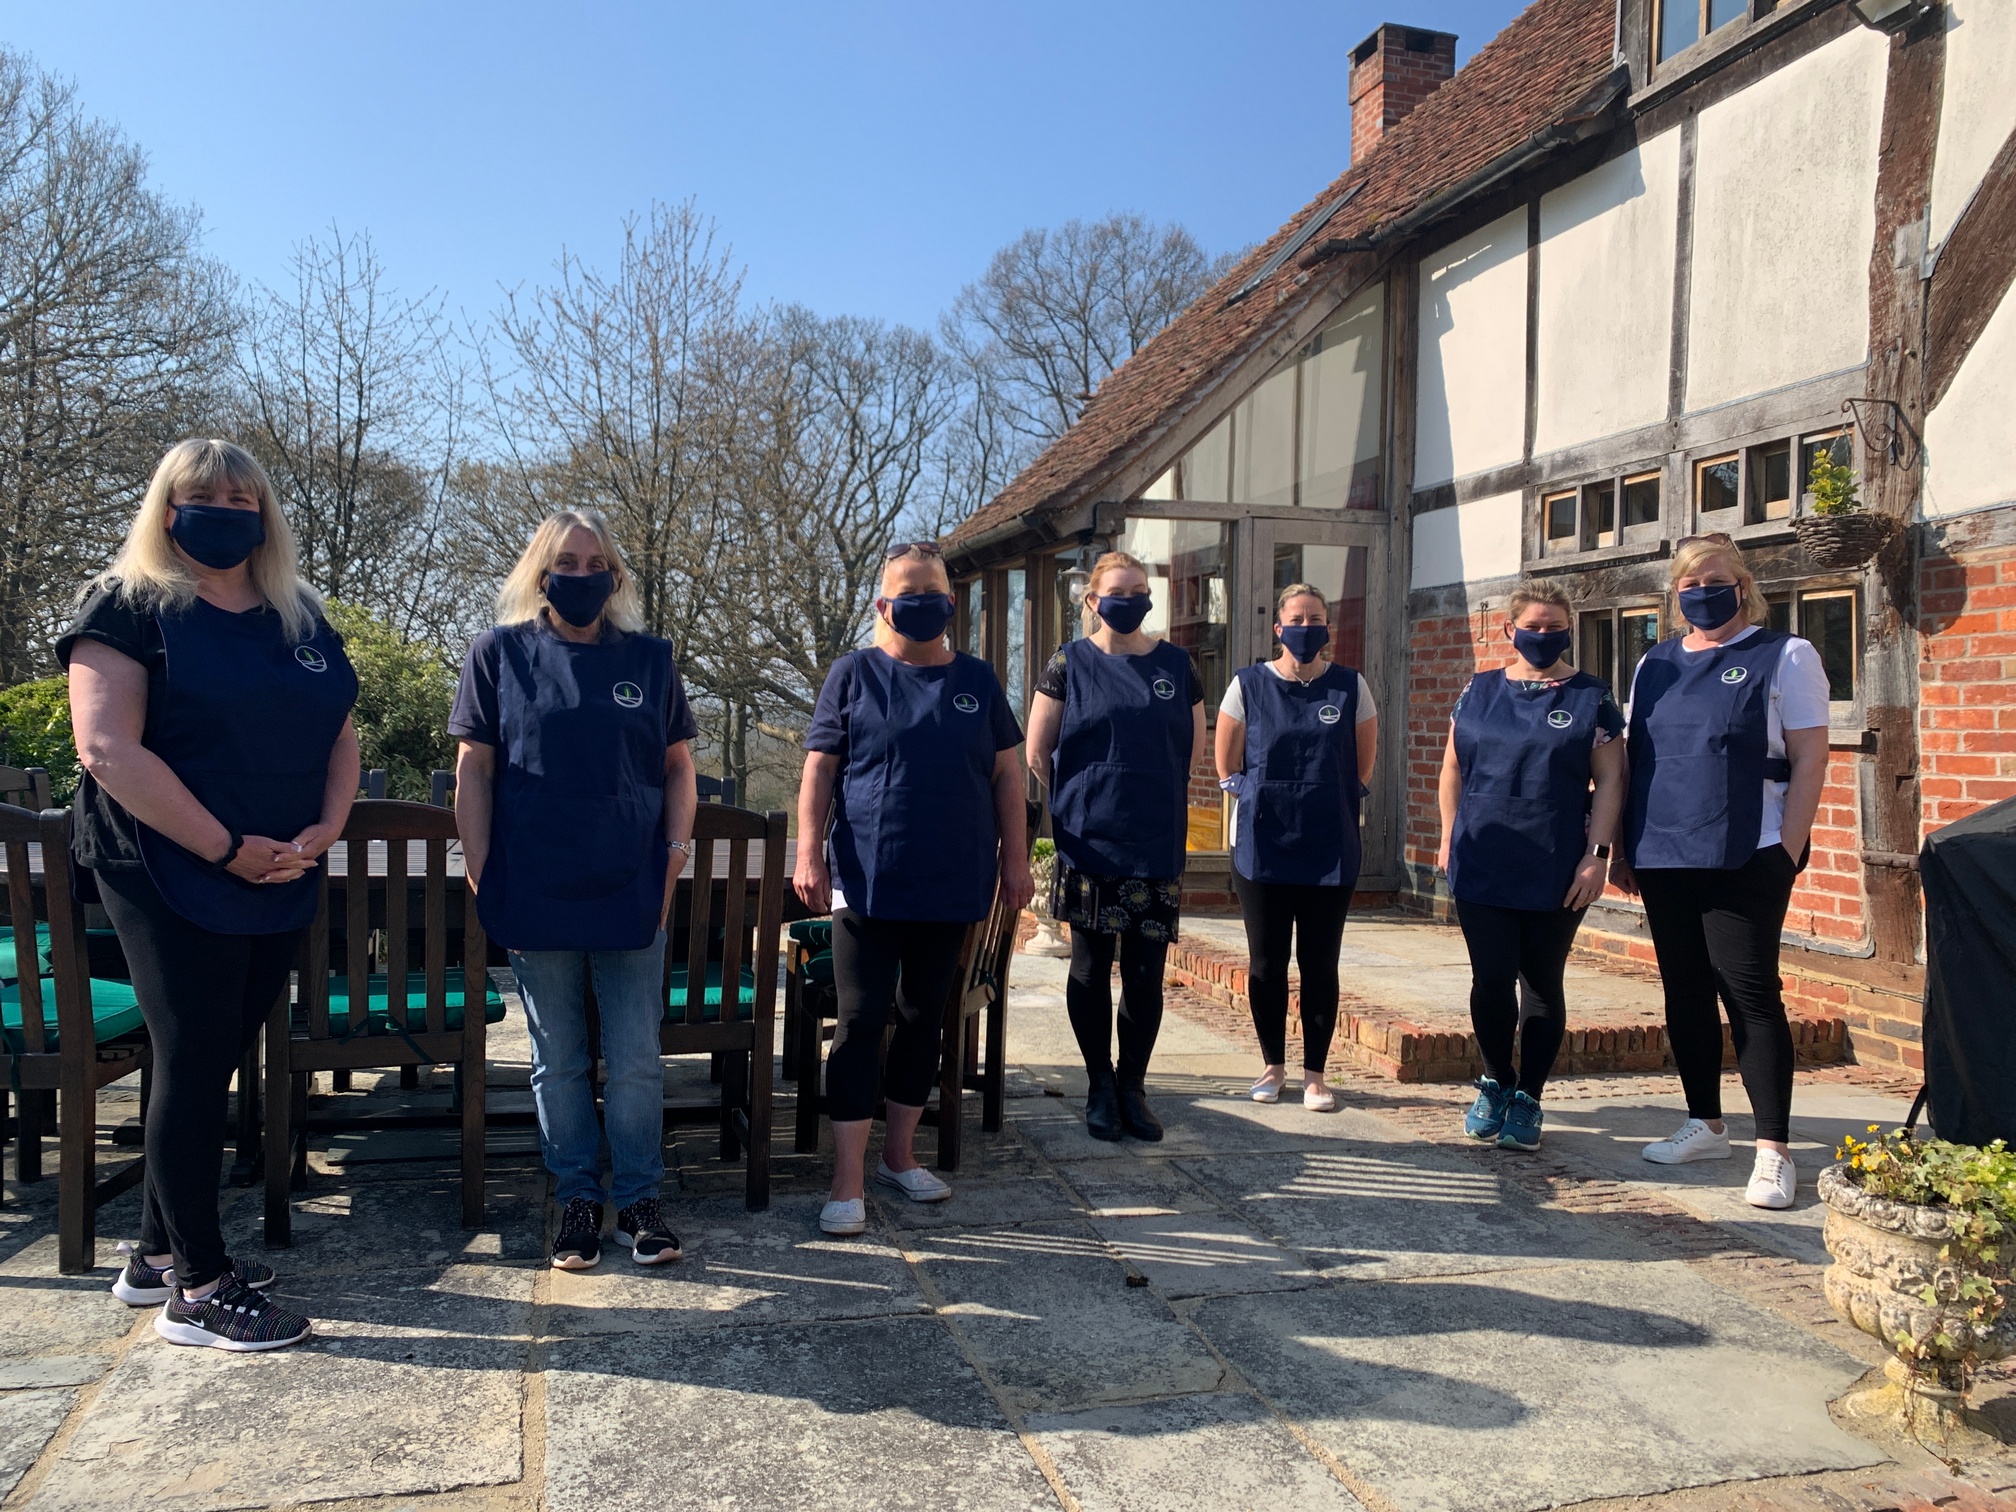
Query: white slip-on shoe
{"points": [[1692, 1141], [918, 1184], [1774, 1181], [1265, 1090], [849, 1217], [1319, 1099]]}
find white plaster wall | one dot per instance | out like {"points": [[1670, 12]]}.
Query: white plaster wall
{"points": [[1605, 312], [1471, 397], [1969, 463], [1784, 212], [1977, 106], [1468, 542]]}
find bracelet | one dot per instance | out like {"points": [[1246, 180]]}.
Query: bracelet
{"points": [[684, 847], [237, 844]]}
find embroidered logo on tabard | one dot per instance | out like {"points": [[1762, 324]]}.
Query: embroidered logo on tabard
{"points": [[627, 695], [966, 703], [1329, 713], [1560, 719], [312, 659], [1735, 675], [1163, 688]]}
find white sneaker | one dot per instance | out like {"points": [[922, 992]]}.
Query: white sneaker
{"points": [[1692, 1141], [849, 1217], [1774, 1181], [1265, 1090], [918, 1184], [1319, 1099]]}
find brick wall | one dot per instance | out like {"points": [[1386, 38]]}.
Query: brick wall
{"points": [[1966, 681], [1444, 652], [1827, 902]]}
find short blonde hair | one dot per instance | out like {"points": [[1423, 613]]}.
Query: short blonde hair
{"points": [[916, 554], [1694, 552], [1529, 593], [1112, 561], [524, 594], [1300, 590], [151, 574]]}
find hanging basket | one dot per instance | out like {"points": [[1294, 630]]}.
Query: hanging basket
{"points": [[1844, 540]]}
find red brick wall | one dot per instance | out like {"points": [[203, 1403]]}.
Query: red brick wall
{"points": [[1444, 653], [1827, 902], [1966, 683]]}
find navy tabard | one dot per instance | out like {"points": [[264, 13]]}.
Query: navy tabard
{"points": [[1299, 794], [1121, 772]]}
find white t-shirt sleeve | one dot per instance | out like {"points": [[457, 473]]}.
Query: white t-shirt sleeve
{"points": [[1799, 695], [1233, 704], [1366, 708]]}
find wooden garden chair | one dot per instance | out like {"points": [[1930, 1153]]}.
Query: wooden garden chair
{"points": [[441, 1017], [93, 1037], [26, 786]]}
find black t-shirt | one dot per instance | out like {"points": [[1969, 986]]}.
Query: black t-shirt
{"points": [[1053, 679], [475, 716]]}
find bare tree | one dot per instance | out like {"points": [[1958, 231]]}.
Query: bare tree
{"points": [[1056, 311], [353, 397], [112, 329]]}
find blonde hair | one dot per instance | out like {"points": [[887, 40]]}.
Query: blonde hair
{"points": [[1692, 553], [1112, 561], [915, 554], [1299, 590], [151, 574], [1528, 594], [524, 593]]}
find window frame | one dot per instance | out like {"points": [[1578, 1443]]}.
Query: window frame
{"points": [[1586, 544], [1614, 611], [1748, 522], [1662, 68], [1845, 716]]}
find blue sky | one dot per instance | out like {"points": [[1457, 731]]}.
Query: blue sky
{"points": [[862, 159]]}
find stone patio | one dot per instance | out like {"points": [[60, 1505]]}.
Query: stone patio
{"points": [[1271, 1308]]}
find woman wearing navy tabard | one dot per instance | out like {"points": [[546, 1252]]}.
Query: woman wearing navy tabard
{"points": [[1115, 726], [911, 755], [1297, 737], [574, 795], [1728, 746], [1526, 848], [211, 703]]}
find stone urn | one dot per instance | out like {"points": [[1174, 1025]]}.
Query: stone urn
{"points": [[1886, 1256], [1049, 938]]}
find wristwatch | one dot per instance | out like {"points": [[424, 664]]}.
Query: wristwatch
{"points": [[1600, 852], [684, 847]]}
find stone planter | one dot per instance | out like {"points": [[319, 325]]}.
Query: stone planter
{"points": [[1843, 540], [1049, 938], [1885, 1256]]}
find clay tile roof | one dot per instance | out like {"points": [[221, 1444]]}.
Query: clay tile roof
{"points": [[1531, 75]]}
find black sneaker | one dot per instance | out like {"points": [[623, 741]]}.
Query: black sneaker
{"points": [[580, 1243], [142, 1285], [643, 1229], [233, 1317]]}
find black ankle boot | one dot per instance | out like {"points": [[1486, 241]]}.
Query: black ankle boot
{"points": [[1102, 1107], [1136, 1117]]}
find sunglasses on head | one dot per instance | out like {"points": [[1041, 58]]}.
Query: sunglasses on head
{"points": [[902, 549], [1712, 537]]}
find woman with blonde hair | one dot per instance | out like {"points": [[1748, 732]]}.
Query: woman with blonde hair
{"points": [[1728, 750], [1526, 848], [574, 797], [1115, 726], [1297, 737], [211, 704]]}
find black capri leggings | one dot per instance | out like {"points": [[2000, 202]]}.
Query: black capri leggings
{"points": [[1315, 916], [204, 996], [880, 965], [1088, 1000], [1718, 932], [1508, 946]]}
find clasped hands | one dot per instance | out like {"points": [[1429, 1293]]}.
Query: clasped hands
{"points": [[262, 859]]}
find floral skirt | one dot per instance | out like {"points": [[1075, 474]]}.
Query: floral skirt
{"points": [[1117, 905]]}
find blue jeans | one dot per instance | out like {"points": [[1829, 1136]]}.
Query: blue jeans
{"points": [[630, 995]]}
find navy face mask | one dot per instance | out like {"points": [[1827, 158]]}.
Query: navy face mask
{"points": [[1711, 607], [1123, 612], [1304, 641], [217, 535], [578, 597], [919, 616], [1542, 648]]}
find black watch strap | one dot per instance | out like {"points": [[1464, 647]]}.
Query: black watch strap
{"points": [[237, 844]]}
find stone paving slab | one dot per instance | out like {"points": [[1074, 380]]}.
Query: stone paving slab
{"points": [[1202, 1255], [1222, 1451], [740, 1268], [45, 1312], [882, 1413], [28, 1420], [1199, 1118], [53, 1370], [981, 1201], [1048, 1313], [1139, 1188], [342, 1225], [1512, 1391], [1384, 1212]]}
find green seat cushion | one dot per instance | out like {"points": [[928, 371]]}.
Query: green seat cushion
{"points": [[378, 1011], [114, 1011], [818, 970], [9, 971], [710, 997], [815, 933]]}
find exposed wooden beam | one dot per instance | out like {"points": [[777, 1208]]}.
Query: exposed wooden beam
{"points": [[1973, 274]]}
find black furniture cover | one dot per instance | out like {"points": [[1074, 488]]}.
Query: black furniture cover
{"points": [[1969, 872]]}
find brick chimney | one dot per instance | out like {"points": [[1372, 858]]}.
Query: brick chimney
{"points": [[1392, 71]]}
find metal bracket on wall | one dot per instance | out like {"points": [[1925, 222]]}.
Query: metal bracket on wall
{"points": [[1894, 440]]}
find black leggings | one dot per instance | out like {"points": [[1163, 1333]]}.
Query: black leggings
{"points": [[880, 965], [204, 997], [1509, 946], [1315, 916], [1718, 932], [1088, 998]]}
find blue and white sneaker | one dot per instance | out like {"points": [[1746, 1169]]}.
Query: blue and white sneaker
{"points": [[1486, 1117], [1522, 1123]]}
